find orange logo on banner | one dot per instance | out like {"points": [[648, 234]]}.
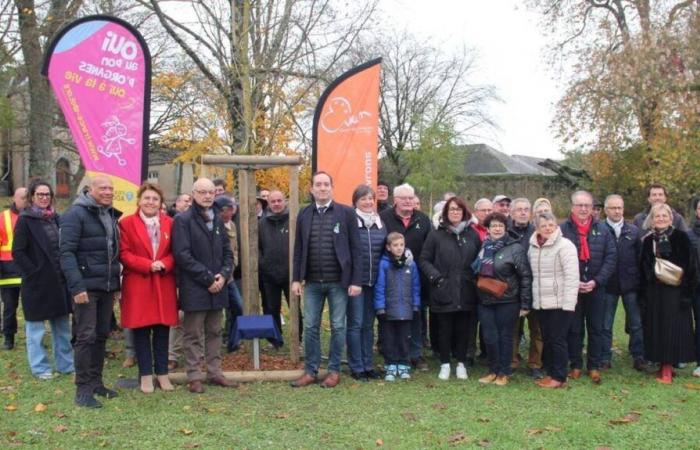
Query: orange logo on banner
{"points": [[346, 128]]}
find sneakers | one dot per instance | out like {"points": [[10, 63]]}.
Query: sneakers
{"points": [[391, 372], [404, 371], [444, 371], [461, 372], [696, 372], [87, 401], [45, 376], [488, 379]]}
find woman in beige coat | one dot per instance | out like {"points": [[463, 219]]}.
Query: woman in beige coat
{"points": [[555, 279]]}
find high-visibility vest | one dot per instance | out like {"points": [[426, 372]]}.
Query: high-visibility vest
{"points": [[7, 234]]}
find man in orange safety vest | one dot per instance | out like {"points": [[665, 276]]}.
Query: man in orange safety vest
{"points": [[9, 275]]}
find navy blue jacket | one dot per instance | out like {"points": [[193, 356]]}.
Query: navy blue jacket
{"points": [[372, 241], [601, 244], [626, 276], [88, 261], [346, 239], [397, 292]]}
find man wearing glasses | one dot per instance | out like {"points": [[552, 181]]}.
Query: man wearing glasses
{"points": [[205, 263], [597, 254]]}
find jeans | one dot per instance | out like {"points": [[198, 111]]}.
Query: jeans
{"points": [[10, 302], [360, 334], [590, 310], [396, 341], [273, 304], [91, 327], [497, 323], [315, 295], [555, 324], [633, 325], [60, 339], [151, 347]]}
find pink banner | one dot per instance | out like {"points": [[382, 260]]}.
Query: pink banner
{"points": [[99, 69]]}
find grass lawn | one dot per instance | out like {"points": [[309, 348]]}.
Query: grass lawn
{"points": [[628, 410]]}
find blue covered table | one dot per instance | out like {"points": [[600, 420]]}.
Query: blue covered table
{"points": [[256, 327]]}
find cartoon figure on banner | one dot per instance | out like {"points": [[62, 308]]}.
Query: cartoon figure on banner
{"points": [[113, 138], [340, 118]]}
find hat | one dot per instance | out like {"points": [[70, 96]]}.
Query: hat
{"points": [[224, 201], [597, 203], [500, 198]]}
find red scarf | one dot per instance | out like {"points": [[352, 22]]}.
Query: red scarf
{"points": [[584, 253]]}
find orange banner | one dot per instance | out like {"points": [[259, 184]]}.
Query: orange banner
{"points": [[346, 130]]}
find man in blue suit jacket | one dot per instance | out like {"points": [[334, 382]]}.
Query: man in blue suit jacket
{"points": [[328, 262]]}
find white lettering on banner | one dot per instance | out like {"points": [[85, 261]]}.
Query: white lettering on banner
{"points": [[368, 168], [339, 117], [119, 45]]}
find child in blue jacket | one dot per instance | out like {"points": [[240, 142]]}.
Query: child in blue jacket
{"points": [[396, 300]]}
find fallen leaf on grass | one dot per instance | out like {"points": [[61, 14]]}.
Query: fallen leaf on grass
{"points": [[6, 389], [409, 416], [191, 445], [483, 419], [379, 442], [692, 386], [535, 431], [11, 408], [40, 407], [60, 428], [439, 406], [186, 432], [627, 418], [282, 416], [484, 443], [458, 438], [60, 415], [186, 408], [603, 448]]}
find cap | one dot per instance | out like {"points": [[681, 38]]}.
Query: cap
{"points": [[224, 201], [500, 198], [597, 203]]}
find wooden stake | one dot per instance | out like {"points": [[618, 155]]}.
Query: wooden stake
{"points": [[294, 306]]}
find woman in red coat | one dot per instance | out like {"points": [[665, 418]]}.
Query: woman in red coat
{"points": [[149, 296]]}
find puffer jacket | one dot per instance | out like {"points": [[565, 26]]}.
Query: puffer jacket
{"points": [[446, 262], [372, 241], [512, 266], [555, 273], [397, 292], [602, 247], [89, 259]]}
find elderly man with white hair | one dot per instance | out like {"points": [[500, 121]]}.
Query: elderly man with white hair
{"points": [[482, 208], [414, 226]]}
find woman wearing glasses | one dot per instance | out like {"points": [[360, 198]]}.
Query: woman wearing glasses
{"points": [[44, 295]]}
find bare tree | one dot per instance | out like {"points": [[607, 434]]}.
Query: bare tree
{"points": [[423, 88]]}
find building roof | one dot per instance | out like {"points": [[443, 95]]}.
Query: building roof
{"points": [[481, 159]]}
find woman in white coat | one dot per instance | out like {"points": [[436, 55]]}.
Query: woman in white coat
{"points": [[555, 279]]}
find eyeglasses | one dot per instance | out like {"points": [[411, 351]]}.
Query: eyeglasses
{"points": [[205, 192], [455, 209], [42, 194]]}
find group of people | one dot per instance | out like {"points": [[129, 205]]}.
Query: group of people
{"points": [[461, 277]]}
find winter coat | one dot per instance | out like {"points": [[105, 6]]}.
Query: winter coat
{"points": [[43, 290], [521, 235], [446, 262], [694, 236], [626, 276], [372, 241], [148, 298], [273, 246], [603, 250], [397, 292], [511, 265], [682, 254], [415, 233], [89, 260], [346, 238], [555, 273], [200, 254]]}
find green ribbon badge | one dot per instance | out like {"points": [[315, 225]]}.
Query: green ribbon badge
{"points": [[336, 228]]}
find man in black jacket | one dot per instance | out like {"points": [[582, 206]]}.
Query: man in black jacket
{"points": [[273, 239], [205, 263], [656, 193], [328, 260], [89, 245], [597, 254], [414, 226]]}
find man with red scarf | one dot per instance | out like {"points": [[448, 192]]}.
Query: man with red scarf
{"points": [[597, 254]]}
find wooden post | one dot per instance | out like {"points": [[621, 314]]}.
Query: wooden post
{"points": [[243, 185], [294, 306], [253, 292]]}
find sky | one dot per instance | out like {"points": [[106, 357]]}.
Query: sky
{"points": [[510, 49]]}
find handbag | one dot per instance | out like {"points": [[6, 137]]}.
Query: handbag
{"points": [[491, 286], [667, 272]]}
